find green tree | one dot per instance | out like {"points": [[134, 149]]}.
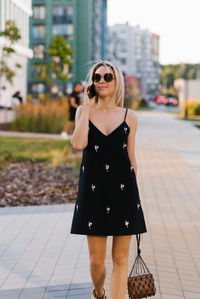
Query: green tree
{"points": [[58, 61], [171, 72], [11, 35]]}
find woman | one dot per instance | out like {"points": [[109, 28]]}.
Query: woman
{"points": [[108, 202]]}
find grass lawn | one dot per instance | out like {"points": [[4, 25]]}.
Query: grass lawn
{"points": [[190, 118], [37, 149]]}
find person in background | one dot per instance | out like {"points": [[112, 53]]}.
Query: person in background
{"points": [[16, 99], [74, 102]]}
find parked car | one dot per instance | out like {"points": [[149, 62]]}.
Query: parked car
{"points": [[172, 101], [160, 100], [167, 100]]}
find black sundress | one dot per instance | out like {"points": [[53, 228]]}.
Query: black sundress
{"points": [[108, 201]]}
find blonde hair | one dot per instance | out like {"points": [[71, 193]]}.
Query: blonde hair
{"points": [[119, 89]]}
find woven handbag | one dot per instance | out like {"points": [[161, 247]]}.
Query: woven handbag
{"points": [[140, 280]]}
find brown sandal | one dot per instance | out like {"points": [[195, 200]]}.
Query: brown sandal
{"points": [[97, 297]]}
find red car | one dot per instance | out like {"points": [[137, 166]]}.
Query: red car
{"points": [[169, 101], [161, 100], [172, 101]]}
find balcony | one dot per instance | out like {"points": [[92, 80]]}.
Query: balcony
{"points": [[62, 19]]}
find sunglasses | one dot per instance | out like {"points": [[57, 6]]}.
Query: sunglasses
{"points": [[108, 77]]}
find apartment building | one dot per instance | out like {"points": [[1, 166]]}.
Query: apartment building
{"points": [[84, 25], [19, 11], [136, 51]]}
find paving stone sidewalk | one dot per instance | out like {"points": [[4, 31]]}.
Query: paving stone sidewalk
{"points": [[38, 256], [39, 259], [168, 157], [30, 135]]}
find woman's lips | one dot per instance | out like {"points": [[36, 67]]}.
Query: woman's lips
{"points": [[102, 87]]}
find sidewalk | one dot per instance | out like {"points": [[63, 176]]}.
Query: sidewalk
{"points": [[30, 135], [41, 260], [168, 157]]}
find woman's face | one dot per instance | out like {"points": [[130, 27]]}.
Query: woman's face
{"points": [[103, 88]]}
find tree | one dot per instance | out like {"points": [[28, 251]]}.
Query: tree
{"points": [[171, 72], [11, 35], [58, 61]]}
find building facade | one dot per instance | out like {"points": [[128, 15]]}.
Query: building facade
{"points": [[19, 11], [136, 51], [84, 25]]}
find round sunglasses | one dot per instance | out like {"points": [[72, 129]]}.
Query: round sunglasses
{"points": [[108, 77]]}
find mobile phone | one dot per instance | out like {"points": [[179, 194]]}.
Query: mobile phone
{"points": [[91, 91]]}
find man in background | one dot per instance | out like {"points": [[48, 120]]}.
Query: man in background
{"points": [[74, 102]]}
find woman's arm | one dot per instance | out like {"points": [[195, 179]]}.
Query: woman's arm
{"points": [[132, 116], [79, 138]]}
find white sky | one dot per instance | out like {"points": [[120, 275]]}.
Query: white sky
{"points": [[176, 21]]}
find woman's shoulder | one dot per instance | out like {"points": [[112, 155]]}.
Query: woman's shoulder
{"points": [[131, 114], [131, 118]]}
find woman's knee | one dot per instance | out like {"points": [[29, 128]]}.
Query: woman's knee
{"points": [[96, 262], [120, 259]]}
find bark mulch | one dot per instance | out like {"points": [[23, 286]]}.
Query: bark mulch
{"points": [[36, 183]]}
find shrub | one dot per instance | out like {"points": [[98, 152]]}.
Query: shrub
{"points": [[133, 102], [46, 117], [193, 107]]}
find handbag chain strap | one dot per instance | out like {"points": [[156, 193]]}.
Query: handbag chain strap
{"points": [[139, 266]]}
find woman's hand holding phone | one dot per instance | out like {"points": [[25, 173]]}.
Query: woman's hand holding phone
{"points": [[87, 101]]}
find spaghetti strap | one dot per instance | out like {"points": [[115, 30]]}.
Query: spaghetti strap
{"points": [[125, 114]]}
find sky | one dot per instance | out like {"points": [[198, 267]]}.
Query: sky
{"points": [[176, 21]]}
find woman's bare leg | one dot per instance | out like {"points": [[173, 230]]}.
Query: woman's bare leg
{"points": [[97, 253], [119, 277]]}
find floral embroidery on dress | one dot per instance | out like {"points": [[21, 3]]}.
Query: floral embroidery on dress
{"points": [[89, 224], [122, 186], [93, 187], [83, 168], [107, 167], [96, 147], [125, 129], [126, 223], [76, 207], [138, 205], [124, 145], [108, 210]]}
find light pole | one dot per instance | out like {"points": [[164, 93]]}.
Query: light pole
{"points": [[186, 98]]}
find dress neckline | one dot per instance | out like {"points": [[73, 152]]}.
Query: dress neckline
{"points": [[124, 122]]}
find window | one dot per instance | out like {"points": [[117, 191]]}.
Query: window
{"points": [[38, 87], [63, 29], [36, 71], [123, 50], [38, 31], [39, 12], [123, 60], [38, 51], [62, 14]]}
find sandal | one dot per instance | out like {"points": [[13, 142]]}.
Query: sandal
{"points": [[95, 295]]}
